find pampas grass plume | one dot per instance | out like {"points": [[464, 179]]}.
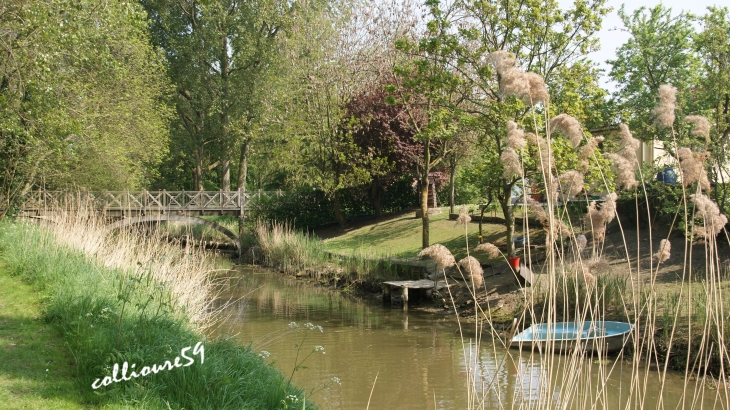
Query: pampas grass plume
{"points": [[490, 249], [440, 255], [511, 163], [664, 112], [515, 136], [708, 210], [665, 249], [569, 127], [701, 126], [463, 218], [474, 269]]}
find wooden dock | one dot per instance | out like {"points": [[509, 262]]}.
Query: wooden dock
{"points": [[423, 285]]}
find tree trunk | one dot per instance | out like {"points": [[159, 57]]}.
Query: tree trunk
{"points": [[424, 193], [243, 164], [509, 218], [225, 160], [226, 171], [451, 184], [198, 171], [338, 210], [376, 196]]}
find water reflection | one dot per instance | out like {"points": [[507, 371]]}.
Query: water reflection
{"points": [[419, 360]]}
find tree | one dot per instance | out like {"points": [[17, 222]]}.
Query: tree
{"points": [[658, 52], [385, 140], [218, 53], [543, 38], [81, 104]]}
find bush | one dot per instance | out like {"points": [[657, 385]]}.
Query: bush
{"points": [[307, 208], [663, 202]]}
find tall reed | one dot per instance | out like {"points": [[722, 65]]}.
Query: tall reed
{"points": [[685, 328]]}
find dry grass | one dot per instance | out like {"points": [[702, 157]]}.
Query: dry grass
{"points": [[186, 273]]}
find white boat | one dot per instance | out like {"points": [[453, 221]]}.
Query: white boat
{"points": [[598, 336]]}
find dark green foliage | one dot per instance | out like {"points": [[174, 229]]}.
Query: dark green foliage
{"points": [[310, 208], [663, 202]]}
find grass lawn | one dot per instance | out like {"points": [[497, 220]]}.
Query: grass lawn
{"points": [[401, 236], [35, 366]]}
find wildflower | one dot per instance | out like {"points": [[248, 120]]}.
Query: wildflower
{"points": [[312, 326], [708, 210], [474, 270], [440, 255], [692, 168], [264, 354], [336, 380], [665, 247], [569, 127], [463, 218], [701, 126], [511, 163], [292, 398], [488, 248], [319, 349], [664, 112], [89, 314], [515, 136], [293, 325]]}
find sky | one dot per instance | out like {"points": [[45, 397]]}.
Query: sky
{"points": [[611, 35]]}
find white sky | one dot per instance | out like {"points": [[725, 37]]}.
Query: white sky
{"points": [[611, 35]]}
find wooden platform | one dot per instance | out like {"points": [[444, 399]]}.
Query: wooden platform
{"points": [[419, 285]]}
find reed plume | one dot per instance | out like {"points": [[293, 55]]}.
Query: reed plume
{"points": [[463, 218], [571, 184], [569, 127], [665, 249], [490, 249], [692, 168], [511, 163], [707, 209], [586, 152], [664, 112], [440, 255], [474, 270], [515, 136], [701, 126]]}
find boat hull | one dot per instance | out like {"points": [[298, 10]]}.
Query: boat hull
{"points": [[600, 337]]}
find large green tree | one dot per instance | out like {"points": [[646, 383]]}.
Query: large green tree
{"points": [[658, 52], [82, 97], [219, 54], [544, 39]]}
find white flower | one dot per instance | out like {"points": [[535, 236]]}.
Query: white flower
{"points": [[264, 354], [293, 325], [319, 349], [336, 380]]}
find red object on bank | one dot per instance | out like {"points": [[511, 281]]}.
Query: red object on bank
{"points": [[514, 262]]}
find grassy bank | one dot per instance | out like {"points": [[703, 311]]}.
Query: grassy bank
{"points": [[116, 298], [35, 370], [293, 252]]}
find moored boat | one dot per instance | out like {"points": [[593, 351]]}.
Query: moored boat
{"points": [[592, 336]]}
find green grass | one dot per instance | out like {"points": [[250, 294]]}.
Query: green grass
{"points": [[401, 236], [35, 369], [108, 316]]}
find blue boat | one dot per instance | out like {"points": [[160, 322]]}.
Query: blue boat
{"points": [[599, 336]]}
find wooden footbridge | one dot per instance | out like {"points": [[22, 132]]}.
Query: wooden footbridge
{"points": [[126, 208]]}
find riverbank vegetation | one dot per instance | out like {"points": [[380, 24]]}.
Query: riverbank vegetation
{"points": [[118, 297]]}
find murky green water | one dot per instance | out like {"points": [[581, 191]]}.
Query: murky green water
{"points": [[419, 360]]}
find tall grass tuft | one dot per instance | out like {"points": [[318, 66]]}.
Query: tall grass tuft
{"points": [[294, 252]]}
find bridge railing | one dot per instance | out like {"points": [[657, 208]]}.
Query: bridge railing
{"points": [[145, 200]]}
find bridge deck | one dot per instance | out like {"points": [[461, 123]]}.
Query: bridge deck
{"points": [[129, 203]]}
